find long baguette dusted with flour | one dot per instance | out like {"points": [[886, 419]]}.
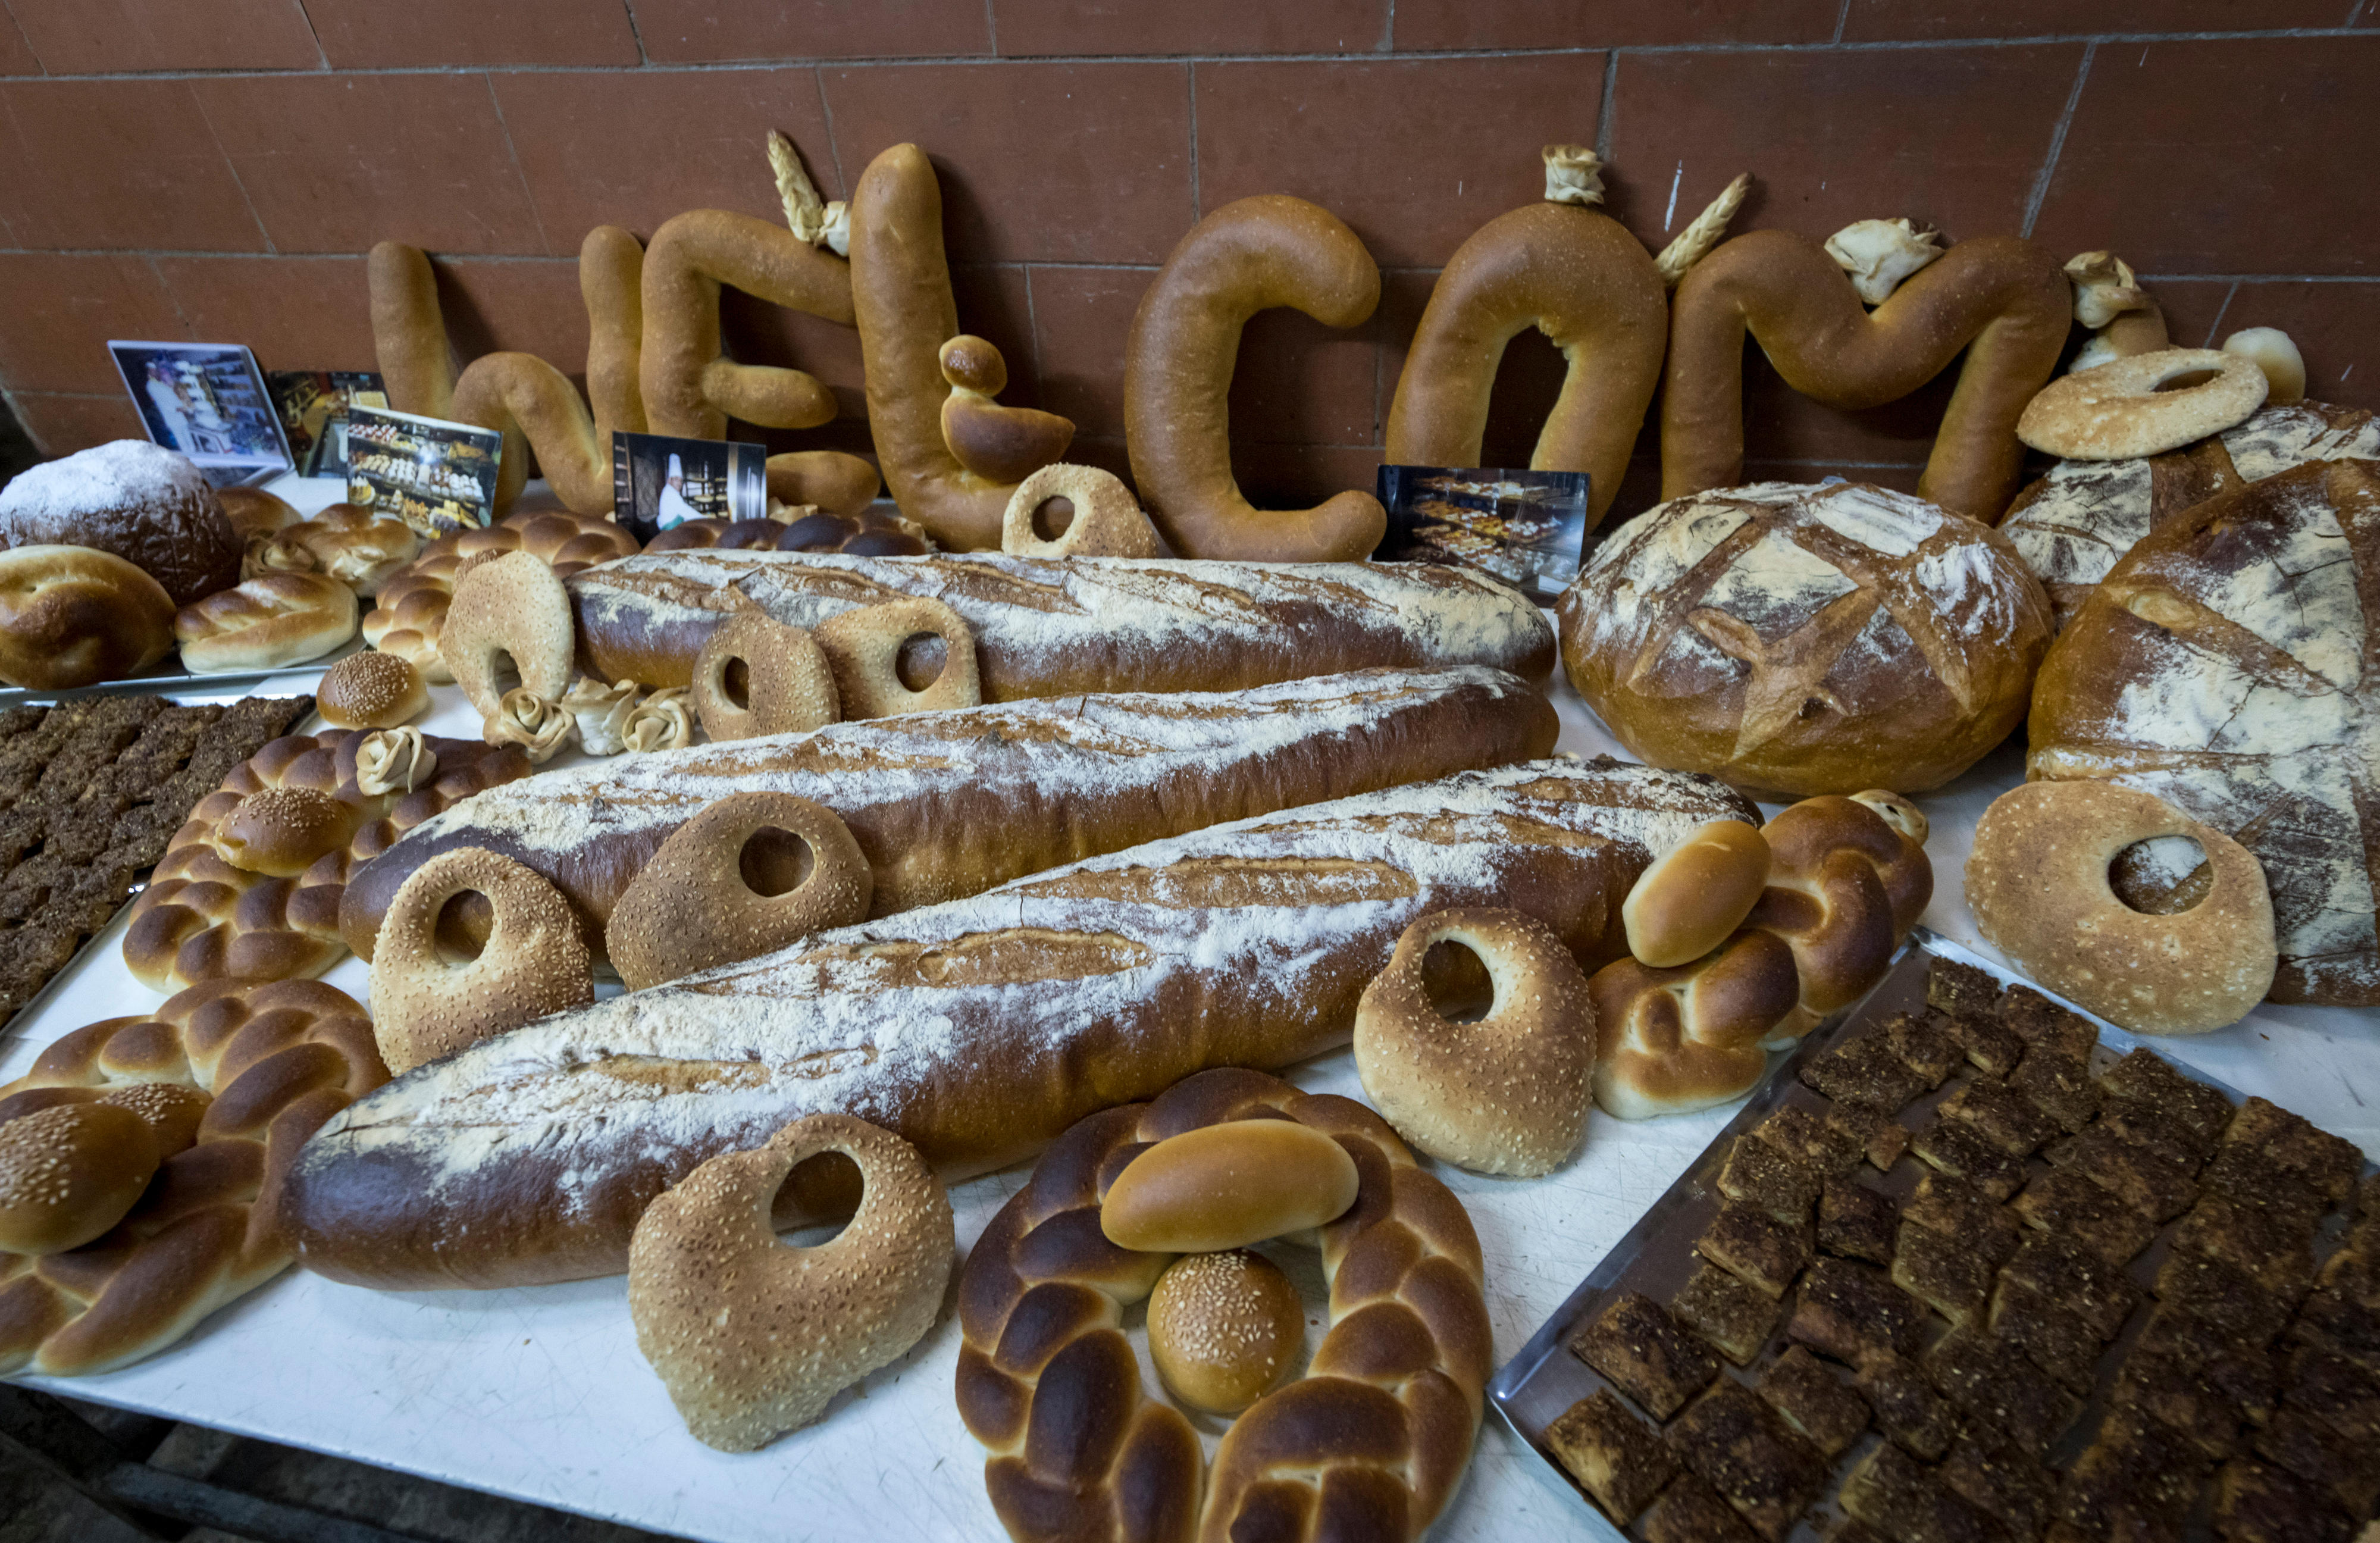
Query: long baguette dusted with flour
{"points": [[948, 804], [978, 1029], [1058, 626]]}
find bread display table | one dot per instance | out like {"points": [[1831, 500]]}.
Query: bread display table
{"points": [[540, 1392]]}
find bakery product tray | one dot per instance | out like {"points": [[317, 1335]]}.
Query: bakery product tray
{"points": [[1658, 1256]]}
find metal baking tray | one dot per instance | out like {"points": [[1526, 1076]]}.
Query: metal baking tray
{"points": [[1656, 1257], [168, 679]]}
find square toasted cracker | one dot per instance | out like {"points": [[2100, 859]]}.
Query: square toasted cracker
{"points": [[1734, 1317], [1999, 1387], [1757, 1174], [1857, 1222], [2157, 1185], [2053, 1339], [1616, 1457], [2064, 1202], [1952, 1147], [2001, 1116], [1863, 1072], [2272, 1249], [1647, 1354], [1734, 1443], [1756, 1247], [1832, 1149], [1822, 1408], [2099, 1293], [2197, 1114], [1855, 1313], [1690, 1511], [1926, 1044]]}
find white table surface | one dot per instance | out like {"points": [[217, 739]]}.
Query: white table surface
{"points": [[540, 1393]]}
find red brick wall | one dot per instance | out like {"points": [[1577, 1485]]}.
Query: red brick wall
{"points": [[216, 170]]}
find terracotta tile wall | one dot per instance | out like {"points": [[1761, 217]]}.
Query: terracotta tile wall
{"points": [[217, 171]]}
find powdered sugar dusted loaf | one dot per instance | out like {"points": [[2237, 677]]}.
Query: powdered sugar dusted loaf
{"points": [[948, 804], [139, 501], [1801, 639], [2226, 665], [2076, 522], [978, 1029], [1054, 626]]}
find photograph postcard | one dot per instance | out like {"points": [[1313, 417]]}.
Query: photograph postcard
{"points": [[658, 482], [1525, 528], [437, 477], [207, 400]]}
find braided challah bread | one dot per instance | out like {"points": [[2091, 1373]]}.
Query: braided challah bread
{"points": [[411, 607], [1370, 1443], [1848, 878], [869, 533], [203, 918], [267, 1063], [265, 622], [354, 545], [1806, 639]]}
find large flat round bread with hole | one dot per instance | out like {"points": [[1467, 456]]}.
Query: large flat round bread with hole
{"points": [[2077, 521], [2228, 665]]}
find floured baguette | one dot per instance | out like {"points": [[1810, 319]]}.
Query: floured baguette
{"points": [[948, 804], [1055, 626], [978, 1029]]}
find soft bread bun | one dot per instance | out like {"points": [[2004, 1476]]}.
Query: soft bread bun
{"points": [[1222, 1326], [72, 615], [352, 544], [69, 1172], [371, 690], [1228, 1185], [1672, 1042], [532, 962], [139, 501], [1695, 894], [282, 832], [266, 622], [2038, 882], [253, 513]]}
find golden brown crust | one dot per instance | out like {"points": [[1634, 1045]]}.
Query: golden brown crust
{"points": [[512, 608], [997, 444], [1226, 1186], [1377, 1433], [1249, 256], [1695, 895], [756, 675], [359, 548], [266, 622], [901, 296], [2002, 300], [690, 387], [68, 1174], [253, 512], [864, 649], [371, 690], [533, 960], [1222, 1326], [752, 1337], [73, 615], [412, 604], [2143, 405], [694, 905], [409, 331], [1076, 510], [1581, 279], [1507, 1092], [282, 832], [829, 480], [2038, 882]]}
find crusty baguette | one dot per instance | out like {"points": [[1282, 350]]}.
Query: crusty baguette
{"points": [[978, 1029], [1053, 626], [948, 804]]}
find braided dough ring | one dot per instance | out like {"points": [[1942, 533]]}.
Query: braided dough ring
{"points": [[2038, 882], [2003, 300], [266, 622], [1575, 275], [1506, 1093], [756, 674], [1075, 510], [411, 607], [201, 918], [269, 1061], [864, 647], [1371, 1443], [1250, 255], [753, 1337], [359, 548], [515, 607], [533, 960], [713, 894], [2143, 405]]}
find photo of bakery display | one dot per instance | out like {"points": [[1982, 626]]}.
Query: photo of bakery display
{"points": [[435, 477], [1067, 789], [208, 402]]}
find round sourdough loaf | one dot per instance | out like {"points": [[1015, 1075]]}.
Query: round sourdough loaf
{"points": [[139, 501], [2075, 522], [2225, 665], [1799, 640]]}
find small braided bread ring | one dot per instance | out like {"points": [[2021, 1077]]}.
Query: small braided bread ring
{"points": [[276, 1059], [714, 894], [777, 670], [1371, 1443], [864, 647], [1506, 1094], [532, 960]]}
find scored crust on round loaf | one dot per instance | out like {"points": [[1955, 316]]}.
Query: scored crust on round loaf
{"points": [[266, 622], [2223, 665], [1802, 639], [145, 504], [2075, 522]]}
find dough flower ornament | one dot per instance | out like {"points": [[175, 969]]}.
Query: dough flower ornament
{"points": [[601, 714], [663, 721], [2124, 317], [1878, 254], [539, 726], [1574, 175], [394, 760]]}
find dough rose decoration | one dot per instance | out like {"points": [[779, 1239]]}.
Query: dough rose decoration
{"points": [[2001, 300], [141, 1163], [1503, 1091], [1575, 275], [2123, 317], [663, 721], [445, 976], [1878, 254], [1372, 1441], [393, 761], [1821, 897], [752, 1336], [1075, 510], [2038, 881], [601, 714], [1250, 255], [918, 362], [539, 727]]}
